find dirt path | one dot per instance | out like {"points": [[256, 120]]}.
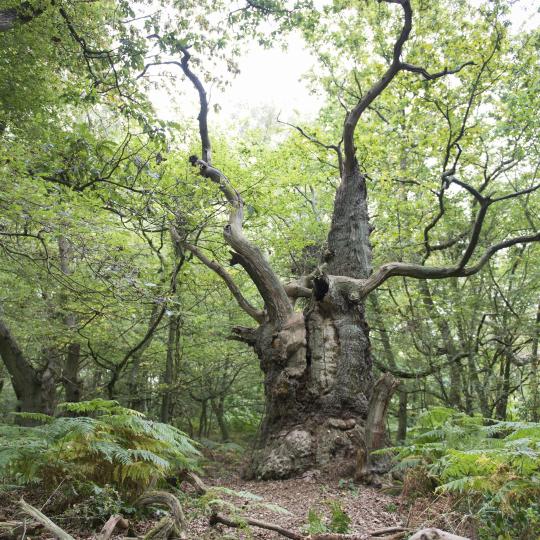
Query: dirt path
{"points": [[368, 508]]}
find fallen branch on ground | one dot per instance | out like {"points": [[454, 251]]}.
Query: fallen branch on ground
{"points": [[16, 529], [114, 521], [44, 520], [435, 534], [398, 532]]}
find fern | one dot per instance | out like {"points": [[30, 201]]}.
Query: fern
{"points": [[496, 465], [110, 445]]}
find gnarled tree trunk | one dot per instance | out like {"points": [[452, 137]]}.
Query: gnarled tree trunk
{"points": [[318, 365]]}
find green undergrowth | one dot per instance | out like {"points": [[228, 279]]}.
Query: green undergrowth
{"points": [[96, 442], [338, 521], [493, 465]]}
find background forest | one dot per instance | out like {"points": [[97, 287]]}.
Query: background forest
{"points": [[112, 294]]}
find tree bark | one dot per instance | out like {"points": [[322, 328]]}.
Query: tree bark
{"points": [[454, 394], [535, 376], [219, 411], [26, 380], [318, 365], [70, 376], [168, 375]]}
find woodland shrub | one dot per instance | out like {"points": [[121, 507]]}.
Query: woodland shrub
{"points": [[494, 465], [99, 442]]}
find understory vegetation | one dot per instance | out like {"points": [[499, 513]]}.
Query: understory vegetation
{"points": [[97, 442], [493, 468]]}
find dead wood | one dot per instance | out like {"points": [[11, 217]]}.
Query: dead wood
{"points": [[11, 530], [436, 534], [173, 525], [44, 520], [389, 530], [194, 480], [239, 523], [114, 521], [389, 533]]}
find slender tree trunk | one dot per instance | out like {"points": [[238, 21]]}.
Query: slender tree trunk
{"points": [[72, 382], [502, 399], [218, 406], [136, 389], [70, 376], [402, 416], [391, 360], [535, 376], [169, 375], [454, 394], [203, 419]]}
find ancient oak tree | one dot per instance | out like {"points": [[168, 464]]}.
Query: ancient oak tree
{"points": [[317, 363]]}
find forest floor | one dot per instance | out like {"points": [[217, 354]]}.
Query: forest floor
{"points": [[289, 502], [285, 503]]}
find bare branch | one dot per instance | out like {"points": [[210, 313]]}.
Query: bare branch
{"points": [[251, 310], [433, 76], [516, 194], [418, 271], [419, 374], [277, 303], [352, 118]]}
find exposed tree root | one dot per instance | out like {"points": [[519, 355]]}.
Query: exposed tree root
{"points": [[242, 522], [170, 526], [194, 480], [174, 525], [435, 534], [396, 532]]}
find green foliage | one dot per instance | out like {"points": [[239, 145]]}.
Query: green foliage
{"points": [[109, 445], [494, 464], [338, 521], [96, 504], [315, 524]]}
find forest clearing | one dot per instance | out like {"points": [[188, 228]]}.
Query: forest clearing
{"points": [[270, 269]]}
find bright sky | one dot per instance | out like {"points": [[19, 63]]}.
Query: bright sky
{"points": [[271, 79]]}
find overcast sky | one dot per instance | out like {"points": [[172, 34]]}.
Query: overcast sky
{"points": [[272, 79]]}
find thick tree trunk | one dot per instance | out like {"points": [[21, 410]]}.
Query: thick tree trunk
{"points": [[35, 392], [317, 365]]}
